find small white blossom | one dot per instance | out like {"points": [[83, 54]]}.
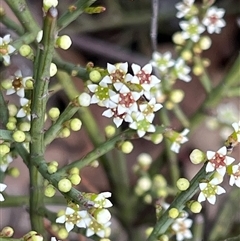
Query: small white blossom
{"points": [[236, 127], [209, 190], [183, 7], [25, 110], [73, 217], [181, 227], [6, 49], [235, 175], [213, 20], [218, 161], [162, 61], [2, 188], [101, 200], [5, 161], [93, 227], [181, 70], [192, 29], [18, 84], [181, 139]]}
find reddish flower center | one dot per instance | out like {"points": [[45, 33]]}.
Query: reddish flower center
{"points": [[213, 19], [218, 160], [117, 76], [17, 83], [126, 99], [143, 77], [116, 114]]}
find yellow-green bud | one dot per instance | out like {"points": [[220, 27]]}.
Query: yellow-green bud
{"points": [[205, 42], [183, 184], [95, 164], [95, 76], [12, 109], [127, 147], [110, 131], [148, 199], [64, 42], [54, 113], [144, 160], [197, 156], [54, 163], [11, 126], [29, 84], [4, 149], [156, 138], [51, 169], [14, 172], [176, 96], [12, 119], [196, 207], [19, 136], [75, 124], [84, 99], [187, 55], [49, 191], [163, 238], [53, 69], [65, 132], [64, 185], [198, 70], [74, 170], [6, 84], [159, 181], [178, 39], [24, 126], [75, 179], [7, 232], [36, 237], [148, 231], [173, 213], [26, 51], [144, 183], [62, 233], [169, 105], [162, 192]]}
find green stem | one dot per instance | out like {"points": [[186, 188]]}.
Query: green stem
{"points": [[73, 13], [4, 110], [38, 109], [179, 202], [181, 116]]}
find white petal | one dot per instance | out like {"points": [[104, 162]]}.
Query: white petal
{"points": [[222, 151], [220, 190], [10, 91], [141, 133], [61, 219], [69, 211], [1, 197], [210, 154], [136, 68], [21, 113], [147, 68], [69, 226], [201, 197], [210, 167], [212, 199], [111, 68], [89, 232], [2, 187], [118, 121]]}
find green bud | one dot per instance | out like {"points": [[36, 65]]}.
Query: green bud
{"points": [[183, 184], [197, 156], [24, 126], [12, 109], [205, 42], [51, 168], [173, 213], [65, 132], [75, 124], [64, 185], [11, 126], [14, 172], [64, 42], [75, 179], [84, 99], [163, 238], [26, 51], [127, 147], [95, 76], [4, 149], [62, 233], [54, 113], [110, 131], [49, 191], [19, 136], [195, 207], [74, 170]]}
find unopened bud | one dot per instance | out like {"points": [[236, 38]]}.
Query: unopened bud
{"points": [[173, 213], [183, 184], [64, 42], [7, 232], [95, 76], [197, 156], [84, 99]]}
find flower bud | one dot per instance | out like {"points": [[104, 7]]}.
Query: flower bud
{"points": [[49, 3], [64, 133], [148, 231], [6, 84], [84, 99], [95, 76], [7, 232], [144, 183], [205, 42], [74, 170], [12, 109], [4, 149], [176, 96], [187, 55], [75, 124], [197, 156], [64, 185], [24, 126], [110, 131], [51, 168], [26, 51], [62, 233], [183, 184], [53, 69], [11, 126], [163, 238], [49, 191], [173, 213], [19, 136], [13, 172], [75, 179], [54, 113], [178, 39], [195, 207], [29, 84], [64, 42], [127, 147], [144, 160], [198, 70], [102, 215]]}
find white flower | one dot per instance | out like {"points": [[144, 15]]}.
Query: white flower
{"points": [[209, 190], [183, 8], [18, 84], [142, 125], [2, 188], [101, 200], [181, 70], [162, 61], [6, 49], [73, 217], [218, 161], [143, 77], [126, 100], [213, 20], [25, 110], [235, 175], [180, 139], [236, 127], [5, 161], [93, 227], [54, 239], [192, 29], [182, 226]]}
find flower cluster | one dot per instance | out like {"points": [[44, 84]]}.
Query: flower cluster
{"points": [[96, 220], [221, 164], [128, 97], [6, 49], [196, 22]]}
